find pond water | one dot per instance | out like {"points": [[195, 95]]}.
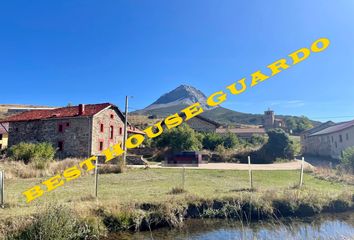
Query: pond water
{"points": [[339, 226]]}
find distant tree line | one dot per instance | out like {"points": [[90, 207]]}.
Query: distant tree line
{"points": [[277, 145], [298, 124]]}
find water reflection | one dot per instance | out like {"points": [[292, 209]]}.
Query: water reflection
{"points": [[339, 226]]}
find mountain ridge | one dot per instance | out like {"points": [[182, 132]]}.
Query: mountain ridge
{"points": [[185, 95]]}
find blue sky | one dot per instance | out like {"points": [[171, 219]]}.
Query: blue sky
{"points": [[56, 52]]}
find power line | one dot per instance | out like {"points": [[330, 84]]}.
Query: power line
{"points": [[332, 117]]}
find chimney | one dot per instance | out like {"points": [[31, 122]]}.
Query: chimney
{"points": [[81, 109]]}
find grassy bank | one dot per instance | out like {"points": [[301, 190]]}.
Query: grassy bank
{"points": [[143, 199]]}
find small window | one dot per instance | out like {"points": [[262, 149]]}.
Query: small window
{"points": [[60, 146], [112, 116], [101, 127], [0, 146], [336, 144], [332, 139], [68, 124], [111, 132], [0, 136], [60, 128], [347, 136], [340, 138], [120, 131], [101, 146], [16, 129]]}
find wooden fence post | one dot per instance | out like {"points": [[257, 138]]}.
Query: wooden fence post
{"points": [[183, 177], [250, 172], [2, 188], [96, 178], [302, 172]]}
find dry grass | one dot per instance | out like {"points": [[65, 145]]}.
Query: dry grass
{"points": [[142, 121], [17, 169], [333, 175]]}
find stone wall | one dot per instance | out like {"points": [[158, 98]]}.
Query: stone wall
{"points": [[329, 144], [105, 118], [75, 135]]}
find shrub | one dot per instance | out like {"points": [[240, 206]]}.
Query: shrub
{"points": [[230, 140], [57, 222], [40, 154], [181, 138], [257, 139], [347, 159], [176, 190], [279, 145], [211, 141]]}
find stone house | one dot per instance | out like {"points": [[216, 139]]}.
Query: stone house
{"points": [[75, 131], [4, 128], [328, 139]]}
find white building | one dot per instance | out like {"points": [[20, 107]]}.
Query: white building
{"points": [[328, 139]]}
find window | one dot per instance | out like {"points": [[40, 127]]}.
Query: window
{"points": [[68, 124], [16, 129], [101, 127], [60, 128], [120, 131], [111, 132], [340, 138], [101, 146], [336, 144], [0, 136], [332, 139], [112, 116], [347, 136], [60, 146], [0, 146]]}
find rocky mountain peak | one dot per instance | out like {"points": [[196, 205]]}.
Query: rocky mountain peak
{"points": [[182, 95]]}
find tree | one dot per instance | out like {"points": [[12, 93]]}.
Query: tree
{"points": [[279, 145], [182, 138], [298, 124], [347, 159], [230, 140], [258, 139], [211, 141], [303, 124]]}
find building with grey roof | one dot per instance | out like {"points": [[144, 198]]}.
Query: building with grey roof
{"points": [[328, 139]]}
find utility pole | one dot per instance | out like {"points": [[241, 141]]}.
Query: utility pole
{"points": [[2, 188], [125, 131]]}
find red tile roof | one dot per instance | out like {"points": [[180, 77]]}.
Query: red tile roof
{"points": [[64, 112]]}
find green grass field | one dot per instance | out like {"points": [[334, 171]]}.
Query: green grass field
{"points": [[154, 185]]}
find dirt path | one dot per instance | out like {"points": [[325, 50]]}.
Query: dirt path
{"points": [[294, 165]]}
